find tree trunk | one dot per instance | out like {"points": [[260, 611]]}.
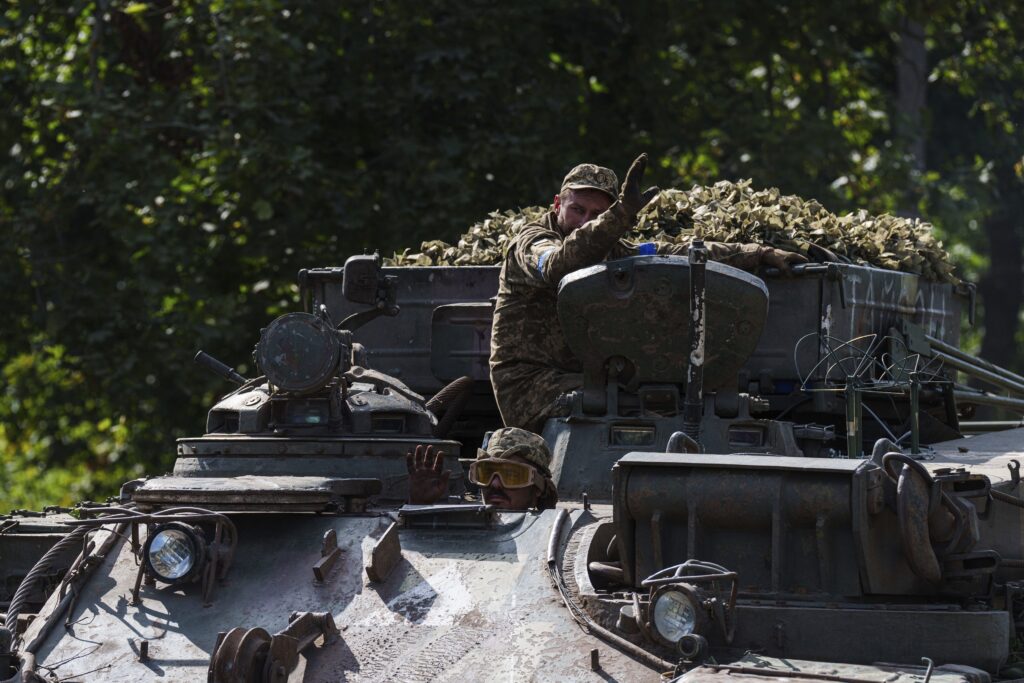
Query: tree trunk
{"points": [[911, 90], [1001, 287], [912, 84]]}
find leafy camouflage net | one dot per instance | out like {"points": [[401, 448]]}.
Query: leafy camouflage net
{"points": [[729, 212]]}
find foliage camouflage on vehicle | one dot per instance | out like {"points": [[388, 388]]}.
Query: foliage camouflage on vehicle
{"points": [[728, 212]]}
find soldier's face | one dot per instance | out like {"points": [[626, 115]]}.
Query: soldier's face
{"points": [[510, 499], [578, 207]]}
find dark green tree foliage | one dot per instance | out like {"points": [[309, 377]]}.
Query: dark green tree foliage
{"points": [[976, 176], [170, 165]]}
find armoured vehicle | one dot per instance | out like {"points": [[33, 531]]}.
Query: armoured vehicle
{"points": [[788, 491]]}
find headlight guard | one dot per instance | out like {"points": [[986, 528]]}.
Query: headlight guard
{"points": [[687, 600]]}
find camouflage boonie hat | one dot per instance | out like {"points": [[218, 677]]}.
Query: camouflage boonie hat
{"points": [[511, 441], [592, 177]]}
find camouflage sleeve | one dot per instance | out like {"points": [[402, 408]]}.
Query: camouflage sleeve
{"points": [[743, 256], [548, 260]]}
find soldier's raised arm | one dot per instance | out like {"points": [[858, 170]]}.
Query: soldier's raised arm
{"points": [[548, 257]]}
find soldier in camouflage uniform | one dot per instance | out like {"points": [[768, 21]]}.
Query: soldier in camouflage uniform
{"points": [[531, 364], [513, 472]]}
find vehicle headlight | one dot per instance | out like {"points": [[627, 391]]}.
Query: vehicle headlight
{"points": [[675, 612], [673, 615], [686, 601], [174, 552]]}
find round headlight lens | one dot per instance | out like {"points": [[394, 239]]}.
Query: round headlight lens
{"points": [[172, 554], [674, 615]]}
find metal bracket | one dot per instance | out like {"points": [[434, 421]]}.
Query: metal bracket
{"points": [[385, 556], [254, 655], [834, 274], [854, 418], [329, 554], [931, 666]]}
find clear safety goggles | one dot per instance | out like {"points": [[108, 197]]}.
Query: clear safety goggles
{"points": [[513, 475]]}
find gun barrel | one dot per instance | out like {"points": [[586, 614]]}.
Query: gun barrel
{"points": [[218, 368]]}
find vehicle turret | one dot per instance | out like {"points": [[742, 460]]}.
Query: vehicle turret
{"points": [[316, 416]]}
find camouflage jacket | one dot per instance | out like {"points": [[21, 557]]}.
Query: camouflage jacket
{"points": [[526, 337]]}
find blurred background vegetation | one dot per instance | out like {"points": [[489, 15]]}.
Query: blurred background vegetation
{"points": [[168, 166]]}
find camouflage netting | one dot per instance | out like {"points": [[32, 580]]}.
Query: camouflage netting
{"points": [[729, 212]]}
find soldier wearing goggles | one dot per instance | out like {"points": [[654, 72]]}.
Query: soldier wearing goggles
{"points": [[513, 472]]}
